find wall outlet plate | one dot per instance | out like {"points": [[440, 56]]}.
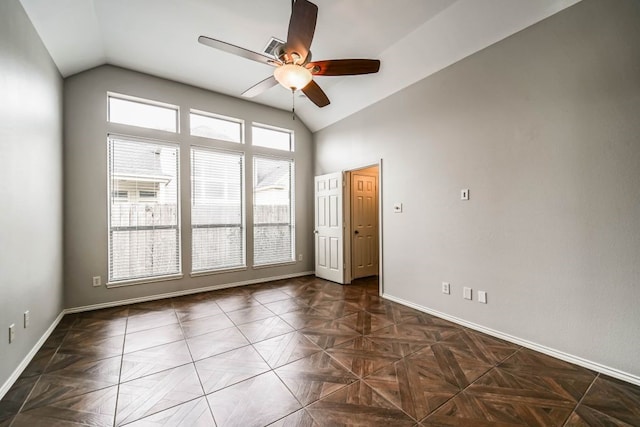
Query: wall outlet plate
{"points": [[446, 288], [466, 293], [27, 318], [97, 281], [12, 332], [482, 297]]}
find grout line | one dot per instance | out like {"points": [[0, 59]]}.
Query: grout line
{"points": [[124, 342], [582, 398]]}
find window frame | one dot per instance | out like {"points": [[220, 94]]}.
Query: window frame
{"points": [[143, 279]]}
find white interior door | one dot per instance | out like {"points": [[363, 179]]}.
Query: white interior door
{"points": [[329, 227]]}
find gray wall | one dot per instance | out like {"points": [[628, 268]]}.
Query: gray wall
{"points": [[30, 186], [544, 129], [85, 154]]}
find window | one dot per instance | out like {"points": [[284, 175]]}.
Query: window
{"points": [[215, 127], [120, 196], [273, 211], [143, 113], [217, 210], [278, 139], [144, 231], [147, 194]]}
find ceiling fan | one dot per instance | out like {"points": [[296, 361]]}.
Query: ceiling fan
{"points": [[292, 61]]}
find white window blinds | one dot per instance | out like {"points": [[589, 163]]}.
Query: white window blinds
{"points": [[217, 210], [144, 213], [273, 210]]}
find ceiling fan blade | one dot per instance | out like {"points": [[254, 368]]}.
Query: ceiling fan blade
{"points": [[260, 87], [302, 25], [344, 67], [236, 50], [316, 94]]}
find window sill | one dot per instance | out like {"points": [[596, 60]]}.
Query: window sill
{"points": [[277, 264], [211, 272], [143, 280]]}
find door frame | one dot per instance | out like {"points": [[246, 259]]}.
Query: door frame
{"points": [[347, 223]]}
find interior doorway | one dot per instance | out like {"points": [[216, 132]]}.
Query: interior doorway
{"points": [[362, 222]]}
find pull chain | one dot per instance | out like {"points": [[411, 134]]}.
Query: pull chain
{"points": [[293, 103]]}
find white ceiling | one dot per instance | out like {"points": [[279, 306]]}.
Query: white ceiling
{"points": [[412, 38]]}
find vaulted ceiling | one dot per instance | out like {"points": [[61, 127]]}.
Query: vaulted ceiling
{"points": [[412, 38]]}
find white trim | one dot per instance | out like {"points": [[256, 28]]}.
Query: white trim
{"points": [[27, 359], [201, 273], [142, 280], [594, 366], [182, 293]]}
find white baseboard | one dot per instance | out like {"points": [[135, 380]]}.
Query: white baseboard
{"points": [[594, 366], [27, 359], [184, 292]]}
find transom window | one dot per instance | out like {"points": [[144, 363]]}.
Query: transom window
{"points": [[212, 126], [270, 137], [143, 113]]}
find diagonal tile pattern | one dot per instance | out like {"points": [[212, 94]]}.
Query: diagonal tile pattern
{"points": [[194, 413], [358, 404], [223, 370], [363, 356], [286, 348], [299, 352], [157, 392], [273, 401], [609, 402], [314, 377]]}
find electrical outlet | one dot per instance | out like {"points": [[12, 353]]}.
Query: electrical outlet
{"points": [[446, 289], [27, 319], [12, 333], [482, 297], [96, 281], [466, 293], [299, 257]]}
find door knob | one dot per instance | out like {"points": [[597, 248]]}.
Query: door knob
{"points": [[315, 231], [356, 232]]}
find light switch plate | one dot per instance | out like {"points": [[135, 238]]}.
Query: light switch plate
{"points": [[466, 293], [397, 208], [464, 194]]}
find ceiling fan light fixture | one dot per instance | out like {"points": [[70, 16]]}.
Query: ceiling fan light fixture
{"points": [[292, 76]]}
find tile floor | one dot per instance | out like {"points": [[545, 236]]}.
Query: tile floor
{"points": [[300, 352]]}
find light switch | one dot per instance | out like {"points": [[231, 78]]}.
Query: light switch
{"points": [[397, 208], [464, 194]]}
